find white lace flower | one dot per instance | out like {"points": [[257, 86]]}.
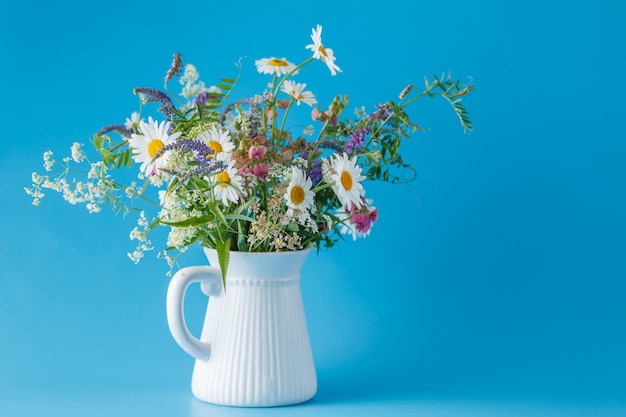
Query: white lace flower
{"points": [[191, 86], [48, 162], [319, 52], [145, 146], [295, 90], [78, 155], [277, 66]]}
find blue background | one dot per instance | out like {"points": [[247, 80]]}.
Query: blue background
{"points": [[493, 286]]}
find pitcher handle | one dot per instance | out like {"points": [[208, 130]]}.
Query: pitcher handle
{"points": [[210, 279]]}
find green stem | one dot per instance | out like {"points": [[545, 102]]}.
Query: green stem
{"points": [[374, 133], [422, 94], [282, 126], [318, 140], [289, 74], [175, 96], [264, 114], [321, 187], [277, 89]]}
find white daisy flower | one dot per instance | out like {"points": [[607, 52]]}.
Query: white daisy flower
{"points": [[295, 90], [145, 146], [277, 66], [227, 182], [346, 178], [299, 196], [319, 52], [133, 121], [218, 140]]}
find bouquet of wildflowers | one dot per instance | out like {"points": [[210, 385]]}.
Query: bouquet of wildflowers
{"points": [[229, 175]]}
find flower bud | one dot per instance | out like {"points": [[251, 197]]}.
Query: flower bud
{"points": [[282, 104]]}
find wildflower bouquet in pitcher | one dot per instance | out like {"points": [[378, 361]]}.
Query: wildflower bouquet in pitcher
{"points": [[229, 175]]}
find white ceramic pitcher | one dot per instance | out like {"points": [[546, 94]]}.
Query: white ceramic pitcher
{"points": [[254, 349]]}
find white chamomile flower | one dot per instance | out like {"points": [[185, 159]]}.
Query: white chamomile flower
{"points": [[346, 178], [217, 139], [277, 66], [319, 52], [228, 182], [145, 146], [295, 90], [299, 195], [133, 121]]}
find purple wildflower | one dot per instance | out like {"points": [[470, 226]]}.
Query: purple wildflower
{"points": [[357, 138], [329, 144], [149, 95], [205, 164], [199, 171], [174, 68], [383, 112], [203, 97], [121, 129], [315, 173]]}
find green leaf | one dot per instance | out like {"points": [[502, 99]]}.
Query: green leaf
{"points": [[236, 216], [218, 213], [192, 221], [223, 257], [98, 142]]}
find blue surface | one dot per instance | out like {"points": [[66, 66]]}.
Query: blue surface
{"points": [[494, 286]]}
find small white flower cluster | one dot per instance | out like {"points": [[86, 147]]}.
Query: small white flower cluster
{"points": [[360, 112], [139, 233], [78, 155], [92, 192], [298, 162], [174, 209], [48, 162], [192, 88], [179, 237]]}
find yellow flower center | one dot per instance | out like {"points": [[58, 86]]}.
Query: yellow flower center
{"points": [[154, 146], [346, 180], [215, 147], [297, 195], [296, 95], [278, 62], [223, 178], [322, 51]]}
